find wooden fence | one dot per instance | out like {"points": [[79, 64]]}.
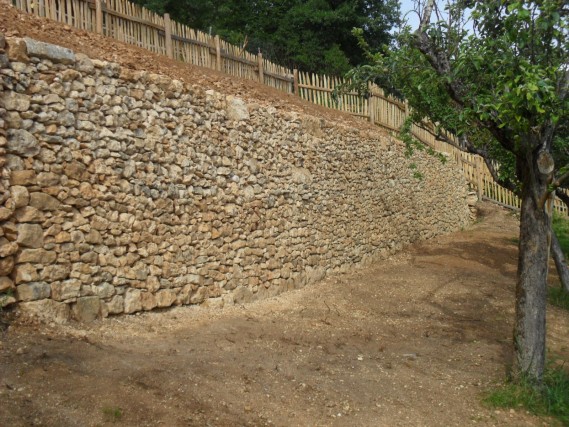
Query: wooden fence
{"points": [[133, 24]]}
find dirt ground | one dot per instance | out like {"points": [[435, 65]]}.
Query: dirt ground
{"points": [[414, 340]]}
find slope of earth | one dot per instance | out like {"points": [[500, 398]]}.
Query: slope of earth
{"points": [[412, 341]]}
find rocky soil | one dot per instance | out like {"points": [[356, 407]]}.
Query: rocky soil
{"points": [[415, 340]]}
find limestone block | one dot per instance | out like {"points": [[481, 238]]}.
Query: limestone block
{"points": [[104, 290], [132, 301], [87, 309], [13, 101], [25, 273], [166, 297], [6, 284], [44, 202], [30, 235], [7, 248], [46, 310], [115, 305], [199, 295], [56, 272], [242, 295], [20, 195], [6, 265], [237, 109], [49, 51], [6, 300], [28, 214], [17, 50], [22, 143], [23, 177], [36, 256], [33, 291], [5, 213], [65, 290], [148, 301]]}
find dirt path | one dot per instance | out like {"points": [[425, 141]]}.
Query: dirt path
{"points": [[410, 341]]}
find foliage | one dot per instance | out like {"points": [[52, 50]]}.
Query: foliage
{"points": [[551, 400], [313, 35]]}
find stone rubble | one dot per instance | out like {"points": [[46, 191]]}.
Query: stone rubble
{"points": [[123, 191]]}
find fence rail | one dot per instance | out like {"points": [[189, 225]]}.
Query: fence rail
{"points": [[133, 24]]}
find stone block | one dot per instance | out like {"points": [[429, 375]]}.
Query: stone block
{"points": [[28, 214], [17, 50], [22, 143], [55, 272], [23, 177], [25, 273], [166, 297], [7, 248], [46, 310], [237, 109], [44, 202], [115, 305], [36, 256], [33, 291], [49, 51], [148, 301], [30, 235], [132, 301], [65, 290], [20, 195], [6, 284], [87, 309], [14, 101]]}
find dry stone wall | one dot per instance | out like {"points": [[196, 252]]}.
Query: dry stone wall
{"points": [[123, 191]]}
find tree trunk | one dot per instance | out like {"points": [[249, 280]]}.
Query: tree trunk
{"points": [[531, 287], [560, 262]]}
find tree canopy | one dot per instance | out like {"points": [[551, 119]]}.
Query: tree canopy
{"points": [[313, 35]]}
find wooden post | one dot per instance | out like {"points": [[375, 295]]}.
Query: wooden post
{"points": [[295, 81], [371, 105], [99, 16], [479, 177], [168, 35], [217, 53], [261, 73]]}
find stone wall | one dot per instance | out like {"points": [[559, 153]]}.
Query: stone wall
{"points": [[123, 191]]}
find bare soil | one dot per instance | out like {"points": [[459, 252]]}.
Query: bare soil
{"points": [[414, 340]]}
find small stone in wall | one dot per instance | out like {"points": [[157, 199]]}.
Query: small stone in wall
{"points": [[17, 50], [44, 202], [6, 284], [7, 248], [237, 109], [13, 101], [20, 195], [22, 143]]}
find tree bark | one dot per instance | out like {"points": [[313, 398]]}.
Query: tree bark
{"points": [[531, 286], [560, 262]]}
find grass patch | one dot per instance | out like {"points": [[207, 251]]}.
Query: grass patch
{"points": [[552, 400], [558, 297], [113, 415]]}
